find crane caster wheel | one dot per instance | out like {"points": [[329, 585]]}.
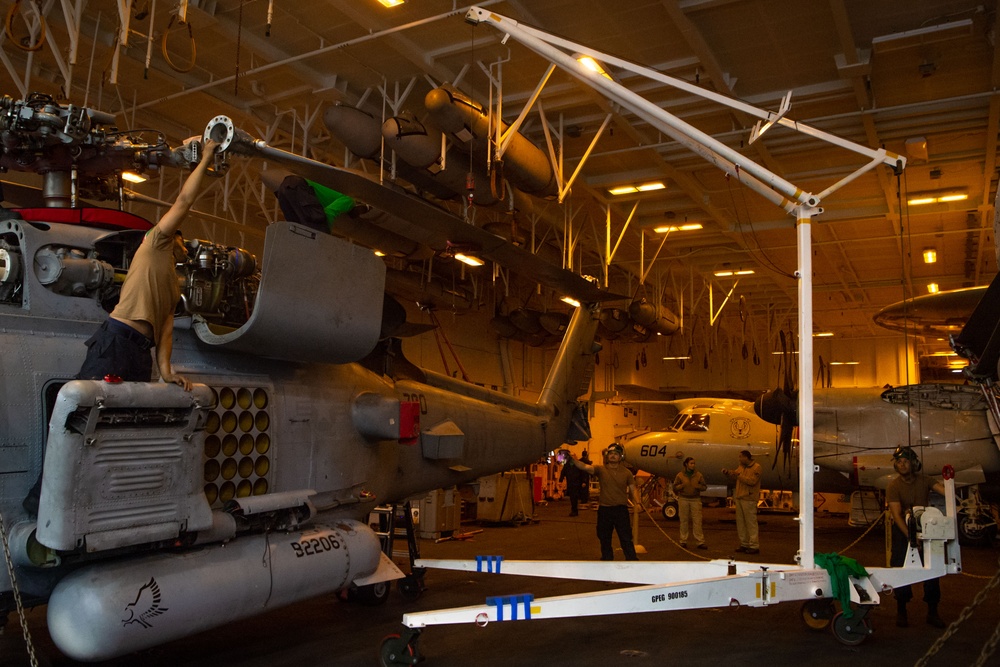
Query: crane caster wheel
{"points": [[410, 587], [817, 614], [850, 631], [395, 650]]}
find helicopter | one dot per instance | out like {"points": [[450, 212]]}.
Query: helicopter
{"points": [[162, 512]]}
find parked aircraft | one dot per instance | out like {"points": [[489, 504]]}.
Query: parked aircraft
{"points": [[855, 432], [163, 513]]}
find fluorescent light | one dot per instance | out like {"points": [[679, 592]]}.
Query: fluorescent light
{"points": [[777, 352], [744, 272], [740, 272], [930, 255], [933, 288], [623, 190], [593, 66], [676, 358], [391, 3], [823, 334], [845, 363], [937, 198], [633, 189], [723, 274], [133, 177], [571, 301], [687, 227], [468, 259], [379, 253]]}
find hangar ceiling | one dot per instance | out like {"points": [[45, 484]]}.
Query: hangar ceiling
{"points": [[917, 78]]}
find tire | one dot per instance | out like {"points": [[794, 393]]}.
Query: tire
{"points": [[817, 614], [976, 530], [410, 587], [394, 651], [371, 595], [850, 631], [670, 511]]}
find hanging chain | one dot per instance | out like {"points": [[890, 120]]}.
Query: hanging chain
{"points": [[17, 594], [953, 628]]}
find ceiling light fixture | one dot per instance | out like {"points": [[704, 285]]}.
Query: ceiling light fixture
{"points": [[924, 198], [593, 66], [727, 273], [133, 177], [823, 334], [930, 255], [633, 189], [571, 301], [845, 363], [687, 227], [676, 358], [379, 253], [933, 288], [468, 259], [391, 3]]}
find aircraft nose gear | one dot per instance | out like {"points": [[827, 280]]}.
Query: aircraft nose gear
{"points": [[400, 649]]}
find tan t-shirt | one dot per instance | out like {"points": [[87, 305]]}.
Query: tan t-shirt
{"points": [[614, 485], [151, 289], [915, 493]]}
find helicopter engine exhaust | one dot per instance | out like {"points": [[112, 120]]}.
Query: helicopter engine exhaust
{"points": [[103, 611]]}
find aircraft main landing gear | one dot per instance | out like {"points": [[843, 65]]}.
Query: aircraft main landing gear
{"points": [[400, 649]]}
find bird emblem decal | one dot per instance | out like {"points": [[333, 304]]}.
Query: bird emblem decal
{"points": [[146, 605]]}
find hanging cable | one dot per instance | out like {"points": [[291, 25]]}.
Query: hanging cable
{"points": [[903, 245], [194, 49], [239, 41], [25, 44], [764, 260]]}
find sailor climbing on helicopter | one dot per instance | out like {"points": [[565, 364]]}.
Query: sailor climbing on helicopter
{"points": [[144, 316]]}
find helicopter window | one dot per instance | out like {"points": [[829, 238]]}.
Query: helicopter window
{"points": [[697, 423]]}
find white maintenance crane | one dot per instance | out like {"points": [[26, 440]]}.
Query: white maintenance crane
{"points": [[663, 586]]}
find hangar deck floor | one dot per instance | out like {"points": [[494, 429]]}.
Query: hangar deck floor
{"points": [[327, 631]]}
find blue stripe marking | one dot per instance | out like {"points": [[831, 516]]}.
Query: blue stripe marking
{"points": [[524, 601], [491, 563]]}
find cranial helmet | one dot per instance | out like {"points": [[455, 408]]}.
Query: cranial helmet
{"points": [[615, 447], [904, 452]]}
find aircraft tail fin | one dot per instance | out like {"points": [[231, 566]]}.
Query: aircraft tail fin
{"points": [[573, 367]]}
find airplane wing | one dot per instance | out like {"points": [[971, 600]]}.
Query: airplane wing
{"points": [[420, 220]]}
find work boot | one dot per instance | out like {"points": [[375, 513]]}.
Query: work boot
{"points": [[933, 619], [901, 621]]}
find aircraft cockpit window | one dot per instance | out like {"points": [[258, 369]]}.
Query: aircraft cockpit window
{"points": [[697, 423], [678, 421]]}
